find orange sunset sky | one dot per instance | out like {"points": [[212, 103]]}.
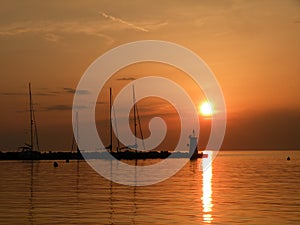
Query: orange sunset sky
{"points": [[253, 48]]}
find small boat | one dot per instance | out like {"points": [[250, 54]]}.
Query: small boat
{"points": [[137, 127]]}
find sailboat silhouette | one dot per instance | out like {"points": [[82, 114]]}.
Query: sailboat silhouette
{"points": [[31, 150]]}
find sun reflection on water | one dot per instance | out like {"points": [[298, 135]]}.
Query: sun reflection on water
{"points": [[207, 188]]}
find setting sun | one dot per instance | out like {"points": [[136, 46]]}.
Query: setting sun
{"points": [[205, 109]]}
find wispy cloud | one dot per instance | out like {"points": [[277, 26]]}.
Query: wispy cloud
{"points": [[47, 92], [69, 90], [63, 107], [25, 93], [58, 108], [54, 31], [73, 91], [52, 37], [119, 20], [14, 93], [154, 26], [126, 78]]}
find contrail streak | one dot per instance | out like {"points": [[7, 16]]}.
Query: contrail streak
{"points": [[123, 22]]}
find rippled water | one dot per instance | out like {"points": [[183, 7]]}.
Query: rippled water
{"points": [[240, 188]]}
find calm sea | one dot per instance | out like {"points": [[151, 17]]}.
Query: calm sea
{"points": [[249, 187]]}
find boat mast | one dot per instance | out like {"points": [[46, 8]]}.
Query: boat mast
{"points": [[139, 124], [110, 123], [75, 136], [77, 132], [116, 126], [134, 117], [35, 131], [31, 119]]}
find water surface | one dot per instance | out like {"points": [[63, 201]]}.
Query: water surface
{"points": [[250, 187]]}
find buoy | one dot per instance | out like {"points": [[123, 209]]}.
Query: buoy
{"points": [[55, 164], [288, 158]]}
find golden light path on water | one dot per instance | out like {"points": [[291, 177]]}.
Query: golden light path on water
{"points": [[207, 188]]}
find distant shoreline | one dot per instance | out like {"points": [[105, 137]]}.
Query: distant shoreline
{"points": [[128, 155], [224, 150]]}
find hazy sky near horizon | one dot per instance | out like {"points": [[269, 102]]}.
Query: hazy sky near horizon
{"points": [[253, 48]]}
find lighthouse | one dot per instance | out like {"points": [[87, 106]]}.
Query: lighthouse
{"points": [[193, 152]]}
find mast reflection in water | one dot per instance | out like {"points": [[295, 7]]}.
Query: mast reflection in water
{"points": [[207, 188]]}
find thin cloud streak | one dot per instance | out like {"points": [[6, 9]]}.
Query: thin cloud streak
{"points": [[58, 108], [73, 91], [115, 19], [63, 107], [26, 94], [46, 92], [53, 31], [52, 37], [126, 78]]}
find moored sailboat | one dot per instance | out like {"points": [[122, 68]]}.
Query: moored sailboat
{"points": [[31, 150]]}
